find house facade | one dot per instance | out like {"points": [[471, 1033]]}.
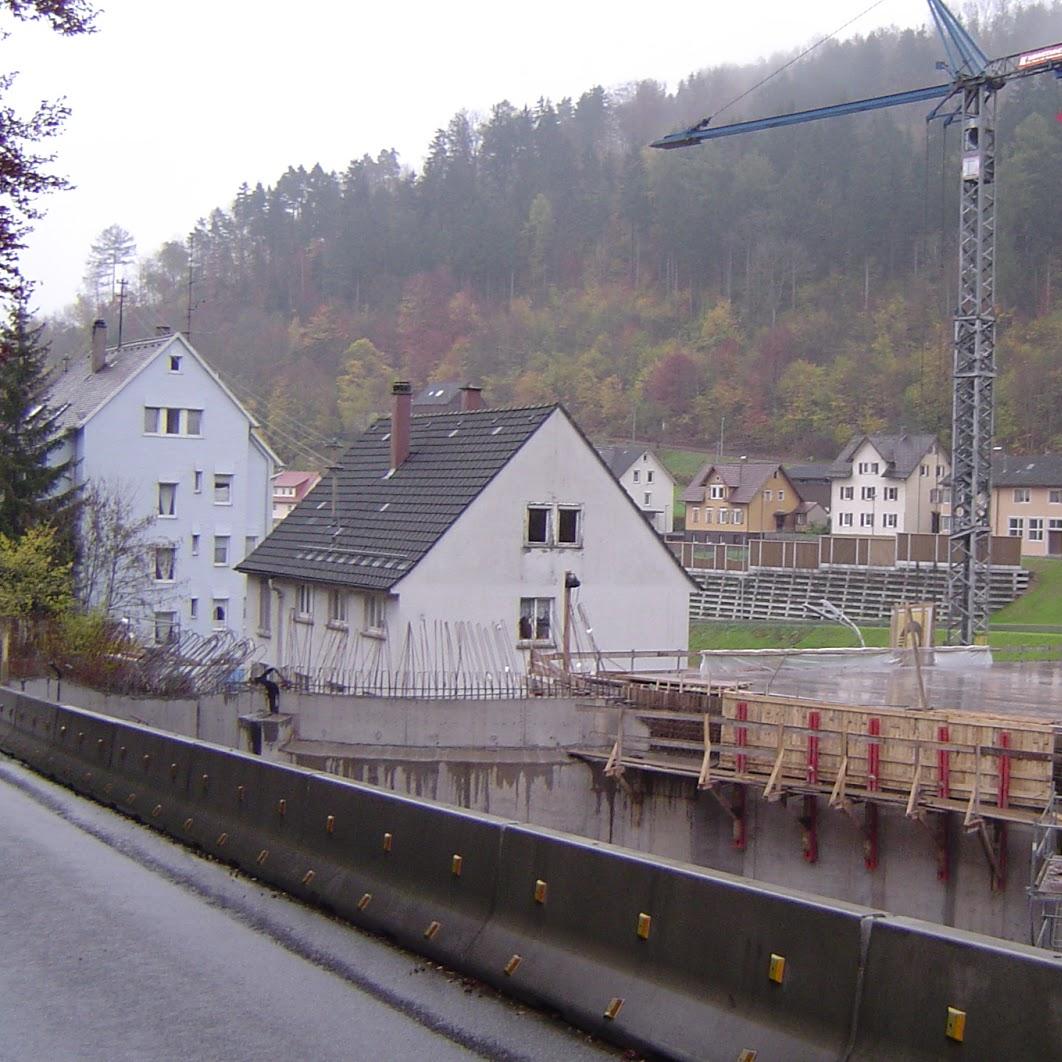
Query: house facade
{"points": [[733, 501], [289, 488], [456, 542], [643, 476], [1027, 502], [153, 423], [887, 484]]}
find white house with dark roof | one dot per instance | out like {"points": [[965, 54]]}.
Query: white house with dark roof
{"points": [[643, 476], [887, 484], [152, 420], [453, 542]]}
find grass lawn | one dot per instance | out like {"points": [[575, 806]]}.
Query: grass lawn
{"points": [[1042, 605]]}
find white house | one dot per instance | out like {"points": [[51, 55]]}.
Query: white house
{"points": [[456, 541], [886, 484], [152, 420], [643, 476]]}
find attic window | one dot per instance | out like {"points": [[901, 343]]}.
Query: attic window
{"points": [[175, 363]]}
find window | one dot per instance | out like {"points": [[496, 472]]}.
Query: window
{"points": [[165, 628], [337, 607], [250, 543], [695, 515], [568, 529], [1015, 527], [923, 470], [197, 481], [175, 363], [867, 493], [160, 420], [945, 524], [647, 498], [724, 516], [709, 515], [940, 471], [648, 475], [844, 519], [193, 608], [151, 420], [173, 422], [195, 545], [1021, 494], [221, 549], [717, 490], [194, 424], [165, 562], [167, 499], [868, 467], [767, 495], [739, 516], [781, 495], [1055, 497], [538, 525], [847, 493], [936, 495], [304, 601], [891, 493], [536, 619], [866, 519], [1054, 525], [1036, 529], [889, 520], [223, 490], [637, 476], [219, 612], [265, 612], [375, 604]]}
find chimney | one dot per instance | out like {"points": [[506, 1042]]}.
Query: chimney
{"points": [[99, 345], [401, 409], [471, 398]]}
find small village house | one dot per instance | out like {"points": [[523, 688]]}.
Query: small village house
{"points": [[643, 476], [289, 488], [1027, 502], [737, 500]]}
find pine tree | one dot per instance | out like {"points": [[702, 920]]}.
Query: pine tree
{"points": [[31, 481]]}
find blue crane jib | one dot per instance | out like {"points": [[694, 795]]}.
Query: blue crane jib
{"points": [[969, 97]]}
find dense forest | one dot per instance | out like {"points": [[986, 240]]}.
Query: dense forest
{"points": [[783, 289]]}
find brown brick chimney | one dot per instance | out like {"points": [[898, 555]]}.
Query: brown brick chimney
{"points": [[471, 398], [99, 345], [401, 411]]}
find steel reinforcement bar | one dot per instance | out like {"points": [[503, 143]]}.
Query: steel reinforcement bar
{"points": [[655, 955]]}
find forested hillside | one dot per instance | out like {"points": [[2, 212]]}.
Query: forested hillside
{"points": [[787, 287]]}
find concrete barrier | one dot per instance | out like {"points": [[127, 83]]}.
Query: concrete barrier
{"points": [[657, 955]]}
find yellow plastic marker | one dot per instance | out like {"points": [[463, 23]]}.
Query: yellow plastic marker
{"points": [[541, 891], [956, 1027], [613, 1008], [776, 970], [455, 866], [645, 922]]}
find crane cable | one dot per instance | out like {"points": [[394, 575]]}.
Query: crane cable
{"points": [[705, 122]]}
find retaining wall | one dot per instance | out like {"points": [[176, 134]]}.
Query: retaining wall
{"points": [[656, 955]]}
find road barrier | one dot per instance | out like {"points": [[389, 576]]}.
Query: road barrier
{"points": [[655, 955]]}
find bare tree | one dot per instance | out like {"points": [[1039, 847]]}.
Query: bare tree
{"points": [[121, 568]]}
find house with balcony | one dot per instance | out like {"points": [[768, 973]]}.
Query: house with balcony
{"points": [[1027, 502], [455, 543], [887, 484], [737, 500], [643, 476], [153, 422]]}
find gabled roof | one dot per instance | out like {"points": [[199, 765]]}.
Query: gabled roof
{"points": [[1035, 470], [816, 470], [438, 395], [292, 478], [620, 458], [744, 478], [384, 525], [901, 454]]}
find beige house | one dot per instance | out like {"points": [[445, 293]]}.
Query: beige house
{"points": [[730, 502], [1027, 502]]}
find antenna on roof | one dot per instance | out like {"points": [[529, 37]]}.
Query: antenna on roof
{"points": [[121, 309]]}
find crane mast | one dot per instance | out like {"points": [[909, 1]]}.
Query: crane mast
{"points": [[971, 96]]}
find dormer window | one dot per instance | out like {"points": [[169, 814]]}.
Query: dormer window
{"points": [[717, 490]]}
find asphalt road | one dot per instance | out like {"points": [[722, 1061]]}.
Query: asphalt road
{"points": [[116, 944]]}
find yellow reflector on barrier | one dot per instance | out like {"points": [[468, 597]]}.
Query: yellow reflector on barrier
{"points": [[512, 964], [747, 1055], [365, 901], [308, 877], [330, 824], [613, 1007], [455, 866], [645, 923], [541, 891], [222, 838], [262, 856], [776, 969], [387, 842], [432, 929], [956, 1027]]}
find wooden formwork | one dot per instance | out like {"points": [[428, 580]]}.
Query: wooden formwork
{"points": [[936, 756]]}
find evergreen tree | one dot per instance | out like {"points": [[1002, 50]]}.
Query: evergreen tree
{"points": [[31, 482]]}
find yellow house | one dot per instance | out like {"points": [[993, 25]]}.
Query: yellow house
{"points": [[736, 500], [1027, 502]]}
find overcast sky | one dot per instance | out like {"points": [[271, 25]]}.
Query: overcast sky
{"points": [[175, 104]]}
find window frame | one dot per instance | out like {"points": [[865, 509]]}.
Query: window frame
{"points": [[304, 595], [162, 514], [160, 567], [528, 627], [223, 483], [222, 543], [337, 607]]}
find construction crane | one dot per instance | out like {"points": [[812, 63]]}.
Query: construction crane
{"points": [[970, 97]]}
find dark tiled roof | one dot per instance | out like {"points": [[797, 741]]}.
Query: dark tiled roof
{"points": [[438, 394], [811, 471], [1036, 470], [744, 478], [901, 454], [384, 525], [79, 391], [620, 458]]}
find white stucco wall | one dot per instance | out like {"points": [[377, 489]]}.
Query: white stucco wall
{"points": [[114, 449]]}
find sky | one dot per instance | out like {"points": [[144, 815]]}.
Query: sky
{"points": [[175, 105]]}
